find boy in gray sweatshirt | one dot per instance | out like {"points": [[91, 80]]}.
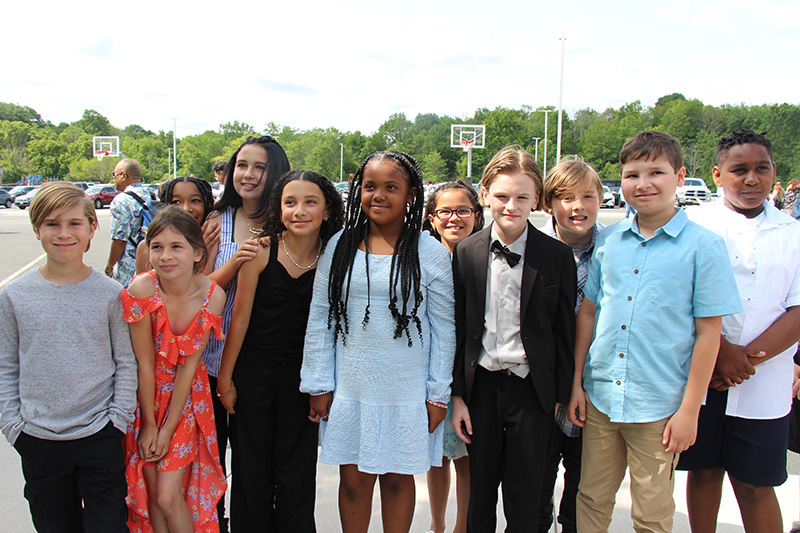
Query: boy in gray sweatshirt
{"points": [[67, 374]]}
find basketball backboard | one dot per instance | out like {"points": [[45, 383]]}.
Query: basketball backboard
{"points": [[103, 146], [467, 136]]}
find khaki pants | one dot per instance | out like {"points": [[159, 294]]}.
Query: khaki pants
{"points": [[608, 449]]}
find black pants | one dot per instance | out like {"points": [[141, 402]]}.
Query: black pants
{"points": [[510, 437], [274, 445], [568, 449], [76, 485], [221, 422]]}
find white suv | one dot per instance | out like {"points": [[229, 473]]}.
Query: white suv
{"points": [[693, 191]]}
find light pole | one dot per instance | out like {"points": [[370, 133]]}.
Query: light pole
{"points": [[536, 153], [560, 98], [174, 147], [546, 112], [341, 160]]}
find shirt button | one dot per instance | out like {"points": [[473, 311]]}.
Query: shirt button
{"points": [[505, 267], [501, 340], [503, 303], [623, 326], [618, 382], [636, 271], [644, 244], [629, 298], [505, 365]]}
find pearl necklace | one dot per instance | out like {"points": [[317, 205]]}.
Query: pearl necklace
{"points": [[312, 265]]}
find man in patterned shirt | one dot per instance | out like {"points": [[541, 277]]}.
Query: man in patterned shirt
{"points": [[126, 221]]}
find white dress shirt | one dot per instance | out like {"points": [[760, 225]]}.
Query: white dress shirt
{"points": [[502, 342], [765, 255]]}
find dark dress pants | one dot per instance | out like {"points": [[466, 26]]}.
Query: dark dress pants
{"points": [[510, 438], [568, 449], [274, 463]]}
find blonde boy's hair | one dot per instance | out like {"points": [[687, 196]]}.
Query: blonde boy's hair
{"points": [[514, 160], [59, 195], [570, 176]]}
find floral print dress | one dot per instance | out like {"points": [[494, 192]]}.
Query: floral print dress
{"points": [[194, 444]]}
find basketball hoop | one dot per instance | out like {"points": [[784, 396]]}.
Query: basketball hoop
{"points": [[466, 144], [105, 147]]}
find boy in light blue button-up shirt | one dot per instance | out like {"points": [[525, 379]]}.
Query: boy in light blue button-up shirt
{"points": [[646, 341]]}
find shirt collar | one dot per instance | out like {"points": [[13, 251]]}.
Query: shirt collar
{"points": [[672, 228], [774, 217], [518, 246]]}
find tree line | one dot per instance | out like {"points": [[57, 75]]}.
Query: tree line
{"points": [[31, 145]]}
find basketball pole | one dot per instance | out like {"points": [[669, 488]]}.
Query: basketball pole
{"points": [[560, 102], [469, 163]]}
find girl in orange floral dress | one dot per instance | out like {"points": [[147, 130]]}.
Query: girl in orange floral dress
{"points": [[174, 476]]}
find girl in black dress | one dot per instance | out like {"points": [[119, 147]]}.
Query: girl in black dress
{"points": [[273, 441]]}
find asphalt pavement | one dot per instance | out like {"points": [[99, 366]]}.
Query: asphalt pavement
{"points": [[20, 251]]}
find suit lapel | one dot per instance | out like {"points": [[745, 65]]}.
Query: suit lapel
{"points": [[530, 268], [481, 266]]}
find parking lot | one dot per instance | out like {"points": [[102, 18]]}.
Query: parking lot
{"points": [[20, 251]]}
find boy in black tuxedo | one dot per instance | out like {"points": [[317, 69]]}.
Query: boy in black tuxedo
{"points": [[515, 300]]}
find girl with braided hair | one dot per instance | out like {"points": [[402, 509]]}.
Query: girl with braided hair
{"points": [[379, 345], [193, 195]]}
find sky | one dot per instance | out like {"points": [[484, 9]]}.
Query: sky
{"points": [[351, 64]]}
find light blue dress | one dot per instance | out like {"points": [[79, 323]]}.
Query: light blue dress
{"points": [[378, 419]]}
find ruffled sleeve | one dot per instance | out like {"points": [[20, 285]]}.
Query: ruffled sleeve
{"points": [[134, 309], [178, 347]]}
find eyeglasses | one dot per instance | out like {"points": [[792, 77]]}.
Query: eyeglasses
{"points": [[446, 214], [115, 174]]}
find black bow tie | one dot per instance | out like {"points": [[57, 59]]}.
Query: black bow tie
{"points": [[511, 258]]}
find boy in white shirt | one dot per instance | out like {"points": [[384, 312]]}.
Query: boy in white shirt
{"points": [[743, 426]]}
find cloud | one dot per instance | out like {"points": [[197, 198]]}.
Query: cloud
{"points": [[101, 48], [286, 87]]}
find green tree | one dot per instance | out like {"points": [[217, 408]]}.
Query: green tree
{"points": [[433, 167]]}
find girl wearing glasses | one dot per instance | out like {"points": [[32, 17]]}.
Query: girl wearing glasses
{"points": [[452, 213]]}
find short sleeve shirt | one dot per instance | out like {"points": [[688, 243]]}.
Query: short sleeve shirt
{"points": [[765, 255], [648, 293], [126, 220]]}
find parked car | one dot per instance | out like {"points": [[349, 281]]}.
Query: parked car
{"points": [[608, 198], [5, 199], [343, 188], [24, 200], [101, 195], [82, 184], [693, 191], [614, 186], [20, 190]]}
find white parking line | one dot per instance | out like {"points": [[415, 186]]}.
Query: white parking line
{"points": [[22, 270]]}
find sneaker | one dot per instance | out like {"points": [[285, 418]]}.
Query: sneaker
{"points": [[795, 527]]}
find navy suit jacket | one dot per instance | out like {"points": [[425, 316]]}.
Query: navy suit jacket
{"points": [[547, 313]]}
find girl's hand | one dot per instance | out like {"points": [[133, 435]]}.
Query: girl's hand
{"points": [[228, 399], [436, 415], [147, 441], [320, 406], [246, 252], [211, 233], [162, 445], [461, 420]]}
